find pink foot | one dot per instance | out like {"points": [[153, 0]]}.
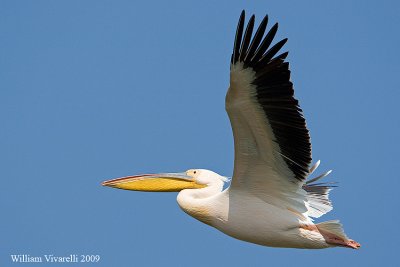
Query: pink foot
{"points": [[353, 244], [338, 241], [333, 239]]}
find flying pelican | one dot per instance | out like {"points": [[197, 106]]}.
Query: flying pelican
{"points": [[270, 202]]}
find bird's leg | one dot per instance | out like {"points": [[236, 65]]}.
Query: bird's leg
{"points": [[338, 241], [332, 238]]}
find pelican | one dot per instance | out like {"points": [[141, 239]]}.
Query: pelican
{"points": [[271, 200]]}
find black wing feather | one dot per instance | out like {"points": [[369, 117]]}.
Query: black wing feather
{"points": [[256, 39], [266, 58], [238, 38], [265, 43], [275, 93], [246, 38]]}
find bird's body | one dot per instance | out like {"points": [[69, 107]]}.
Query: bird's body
{"points": [[233, 213], [270, 201], [244, 216]]}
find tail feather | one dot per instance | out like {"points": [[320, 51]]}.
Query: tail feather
{"points": [[313, 168], [318, 202], [319, 177], [333, 227]]}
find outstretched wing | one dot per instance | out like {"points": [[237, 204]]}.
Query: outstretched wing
{"points": [[272, 142]]}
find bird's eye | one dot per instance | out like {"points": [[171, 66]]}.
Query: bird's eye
{"points": [[194, 172]]}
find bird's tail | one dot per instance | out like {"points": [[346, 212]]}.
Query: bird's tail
{"points": [[318, 202], [334, 227]]}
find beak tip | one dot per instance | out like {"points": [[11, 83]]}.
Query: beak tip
{"points": [[105, 183]]}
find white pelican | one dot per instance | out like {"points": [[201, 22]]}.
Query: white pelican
{"points": [[269, 201]]}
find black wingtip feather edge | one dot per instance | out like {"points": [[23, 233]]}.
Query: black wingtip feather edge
{"points": [[256, 39], [238, 38], [265, 43], [273, 72], [271, 53], [247, 38]]}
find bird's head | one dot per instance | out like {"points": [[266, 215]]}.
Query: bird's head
{"points": [[206, 177], [167, 182]]}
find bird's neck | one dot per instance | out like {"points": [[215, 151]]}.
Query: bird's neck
{"points": [[199, 203]]}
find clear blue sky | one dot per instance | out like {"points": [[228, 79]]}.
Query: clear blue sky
{"points": [[93, 90]]}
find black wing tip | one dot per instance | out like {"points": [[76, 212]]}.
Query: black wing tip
{"points": [[251, 55], [282, 56], [265, 18], [238, 38], [242, 17], [247, 39], [281, 43]]}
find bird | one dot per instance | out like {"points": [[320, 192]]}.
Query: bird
{"points": [[271, 199]]}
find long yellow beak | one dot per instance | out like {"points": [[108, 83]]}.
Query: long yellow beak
{"points": [[163, 182]]}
